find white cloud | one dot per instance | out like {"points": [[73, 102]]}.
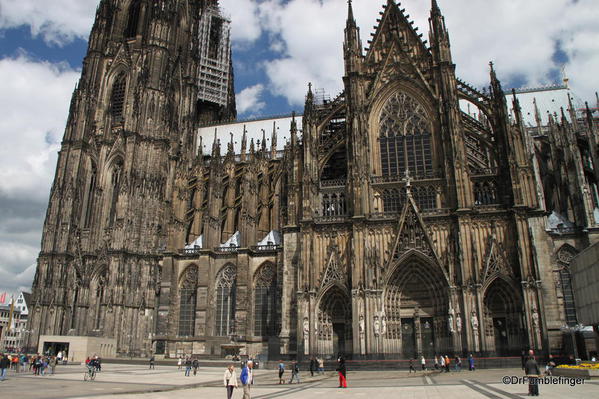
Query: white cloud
{"points": [[518, 35], [34, 98], [57, 22], [249, 100], [245, 23]]}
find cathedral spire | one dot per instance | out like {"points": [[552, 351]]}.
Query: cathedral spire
{"points": [[244, 142], [352, 47], [273, 141], [293, 131], [438, 34]]}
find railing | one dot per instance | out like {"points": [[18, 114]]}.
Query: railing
{"points": [[438, 174], [333, 183], [481, 172], [266, 248], [423, 212], [191, 251], [330, 219], [226, 249]]}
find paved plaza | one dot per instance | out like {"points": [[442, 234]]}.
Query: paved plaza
{"points": [[120, 381]]}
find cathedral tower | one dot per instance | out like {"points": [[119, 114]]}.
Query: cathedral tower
{"points": [[153, 70]]}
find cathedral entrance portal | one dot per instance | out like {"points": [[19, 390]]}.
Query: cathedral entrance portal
{"points": [[416, 308], [334, 323], [503, 319]]}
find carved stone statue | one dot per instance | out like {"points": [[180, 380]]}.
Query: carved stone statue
{"points": [[474, 322], [383, 325], [535, 318], [361, 325], [458, 323], [450, 323], [377, 326]]}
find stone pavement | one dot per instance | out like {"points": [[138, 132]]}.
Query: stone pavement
{"points": [[118, 381]]}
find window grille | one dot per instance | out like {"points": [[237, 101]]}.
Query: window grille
{"points": [[117, 98], [187, 302], [405, 138], [264, 301], [133, 19], [225, 301]]}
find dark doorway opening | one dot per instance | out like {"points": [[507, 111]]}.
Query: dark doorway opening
{"points": [[52, 348], [428, 336], [408, 338], [338, 338]]}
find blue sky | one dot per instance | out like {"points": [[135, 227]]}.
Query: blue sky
{"points": [[279, 46]]}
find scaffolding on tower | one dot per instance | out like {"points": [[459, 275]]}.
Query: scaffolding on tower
{"points": [[215, 55]]}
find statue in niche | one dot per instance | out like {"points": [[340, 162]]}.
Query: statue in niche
{"points": [[535, 318], [361, 325], [377, 326], [450, 321], [474, 322], [383, 325], [458, 323]]}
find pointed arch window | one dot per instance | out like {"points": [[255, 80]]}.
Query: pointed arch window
{"points": [[90, 197], [226, 286], [265, 296], [187, 302], [117, 97], [100, 294], [116, 177], [133, 19], [405, 138]]}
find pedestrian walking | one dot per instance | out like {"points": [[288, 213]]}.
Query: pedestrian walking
{"points": [[247, 379], [152, 363], [447, 363], [281, 372], [295, 373], [52, 363], [458, 363], [436, 364], [342, 370], [230, 380], [187, 367], [412, 366], [15, 363], [312, 366], [531, 369], [320, 365], [196, 365], [442, 362], [423, 363], [4, 365], [180, 362], [470, 362]]}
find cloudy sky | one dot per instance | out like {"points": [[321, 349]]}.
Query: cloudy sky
{"points": [[279, 46]]}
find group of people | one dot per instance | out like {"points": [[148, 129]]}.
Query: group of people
{"points": [[94, 362], [246, 378], [443, 363], [188, 362], [21, 363]]}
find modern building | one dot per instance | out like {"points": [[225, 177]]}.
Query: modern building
{"points": [[411, 214]]}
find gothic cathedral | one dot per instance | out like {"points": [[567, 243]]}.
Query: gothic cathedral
{"points": [[391, 223]]}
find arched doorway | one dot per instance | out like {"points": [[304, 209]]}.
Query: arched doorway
{"points": [[416, 309], [504, 333], [334, 328]]}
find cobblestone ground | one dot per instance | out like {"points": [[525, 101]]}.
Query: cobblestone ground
{"points": [[137, 382]]}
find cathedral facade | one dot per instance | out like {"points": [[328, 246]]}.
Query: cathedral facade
{"points": [[389, 222]]}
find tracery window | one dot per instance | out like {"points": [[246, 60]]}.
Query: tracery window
{"points": [[265, 300], [100, 292], [393, 200], [226, 286], [187, 302], [405, 137], [117, 96], [90, 197], [485, 193], [425, 197], [133, 19], [115, 187]]}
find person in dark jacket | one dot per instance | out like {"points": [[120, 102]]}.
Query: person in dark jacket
{"points": [[196, 365], [313, 366], [4, 365], [531, 369], [342, 370]]}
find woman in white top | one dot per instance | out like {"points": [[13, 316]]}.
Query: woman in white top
{"points": [[230, 380], [180, 362]]}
